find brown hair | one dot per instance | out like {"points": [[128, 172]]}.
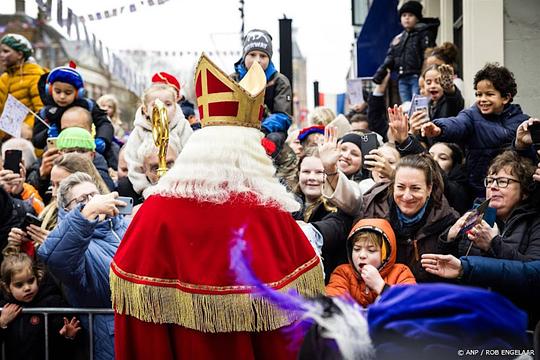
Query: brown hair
{"points": [[520, 167], [426, 164], [14, 264]]}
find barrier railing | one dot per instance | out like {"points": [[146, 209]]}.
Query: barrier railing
{"points": [[90, 312]]}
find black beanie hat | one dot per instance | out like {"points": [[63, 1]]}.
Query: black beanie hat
{"points": [[354, 138], [258, 40], [413, 7]]}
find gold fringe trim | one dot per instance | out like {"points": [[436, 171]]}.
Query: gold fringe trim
{"points": [[209, 313]]}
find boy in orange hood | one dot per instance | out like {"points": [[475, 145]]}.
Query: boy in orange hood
{"points": [[372, 268]]}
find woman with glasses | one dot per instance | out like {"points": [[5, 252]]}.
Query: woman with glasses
{"points": [[78, 252], [516, 232]]}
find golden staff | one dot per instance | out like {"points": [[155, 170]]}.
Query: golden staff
{"points": [[160, 133]]}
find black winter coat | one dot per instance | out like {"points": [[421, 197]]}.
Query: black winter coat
{"points": [[24, 337], [519, 237], [406, 52], [447, 106], [334, 228]]}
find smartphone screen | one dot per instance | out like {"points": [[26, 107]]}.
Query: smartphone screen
{"points": [[534, 129], [30, 219], [12, 160]]}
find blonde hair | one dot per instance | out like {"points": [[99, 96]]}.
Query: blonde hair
{"points": [[110, 98], [321, 116], [157, 87], [219, 161], [369, 238]]}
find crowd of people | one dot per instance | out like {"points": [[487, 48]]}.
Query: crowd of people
{"points": [[387, 195]]}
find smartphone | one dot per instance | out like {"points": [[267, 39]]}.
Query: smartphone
{"points": [[369, 142], [419, 103], [477, 214], [128, 209], [534, 129], [12, 160], [31, 219], [51, 142]]}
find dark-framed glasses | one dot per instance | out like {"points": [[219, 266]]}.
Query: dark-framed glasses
{"points": [[501, 182]]}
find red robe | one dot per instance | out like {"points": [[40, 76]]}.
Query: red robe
{"points": [[174, 293]]}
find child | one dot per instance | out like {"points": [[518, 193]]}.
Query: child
{"points": [[278, 95], [109, 103], [180, 130], [406, 52], [64, 89], [371, 248], [445, 98], [24, 285], [487, 127]]}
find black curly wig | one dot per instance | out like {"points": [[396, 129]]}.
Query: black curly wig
{"points": [[502, 79]]}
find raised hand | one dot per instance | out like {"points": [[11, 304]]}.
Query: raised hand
{"points": [[329, 150], [70, 328], [398, 123], [447, 78], [446, 266]]}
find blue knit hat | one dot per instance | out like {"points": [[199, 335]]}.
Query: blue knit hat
{"points": [[67, 75]]}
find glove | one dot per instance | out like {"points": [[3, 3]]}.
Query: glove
{"points": [[53, 131], [100, 145], [269, 147], [276, 122]]}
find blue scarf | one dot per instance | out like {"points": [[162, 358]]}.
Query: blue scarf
{"points": [[242, 71], [406, 221]]}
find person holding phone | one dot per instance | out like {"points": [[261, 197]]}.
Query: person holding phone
{"points": [[516, 233], [13, 179], [78, 252]]}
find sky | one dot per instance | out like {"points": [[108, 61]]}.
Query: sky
{"points": [[323, 31]]}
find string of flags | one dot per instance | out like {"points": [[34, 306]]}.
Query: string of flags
{"points": [[183, 53], [129, 8]]}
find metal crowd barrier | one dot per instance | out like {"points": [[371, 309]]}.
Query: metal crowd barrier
{"points": [[90, 312]]}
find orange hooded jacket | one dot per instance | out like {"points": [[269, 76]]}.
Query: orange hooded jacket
{"points": [[346, 280]]}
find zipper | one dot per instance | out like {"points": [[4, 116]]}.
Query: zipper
{"points": [[114, 232]]}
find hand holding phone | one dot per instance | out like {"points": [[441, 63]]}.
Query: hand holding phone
{"points": [[12, 160], [369, 142], [31, 219], [128, 209], [51, 143]]}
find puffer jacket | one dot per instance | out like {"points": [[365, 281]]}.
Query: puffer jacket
{"points": [[425, 238], [406, 52], [484, 137], [78, 253], [180, 131], [346, 280], [21, 83], [516, 280]]}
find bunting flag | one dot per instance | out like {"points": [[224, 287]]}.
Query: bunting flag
{"points": [[109, 13], [59, 17], [170, 53]]}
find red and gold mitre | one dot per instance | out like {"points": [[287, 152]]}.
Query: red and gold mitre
{"points": [[222, 101]]}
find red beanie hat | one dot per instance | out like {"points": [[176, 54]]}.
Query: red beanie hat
{"points": [[164, 78]]}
